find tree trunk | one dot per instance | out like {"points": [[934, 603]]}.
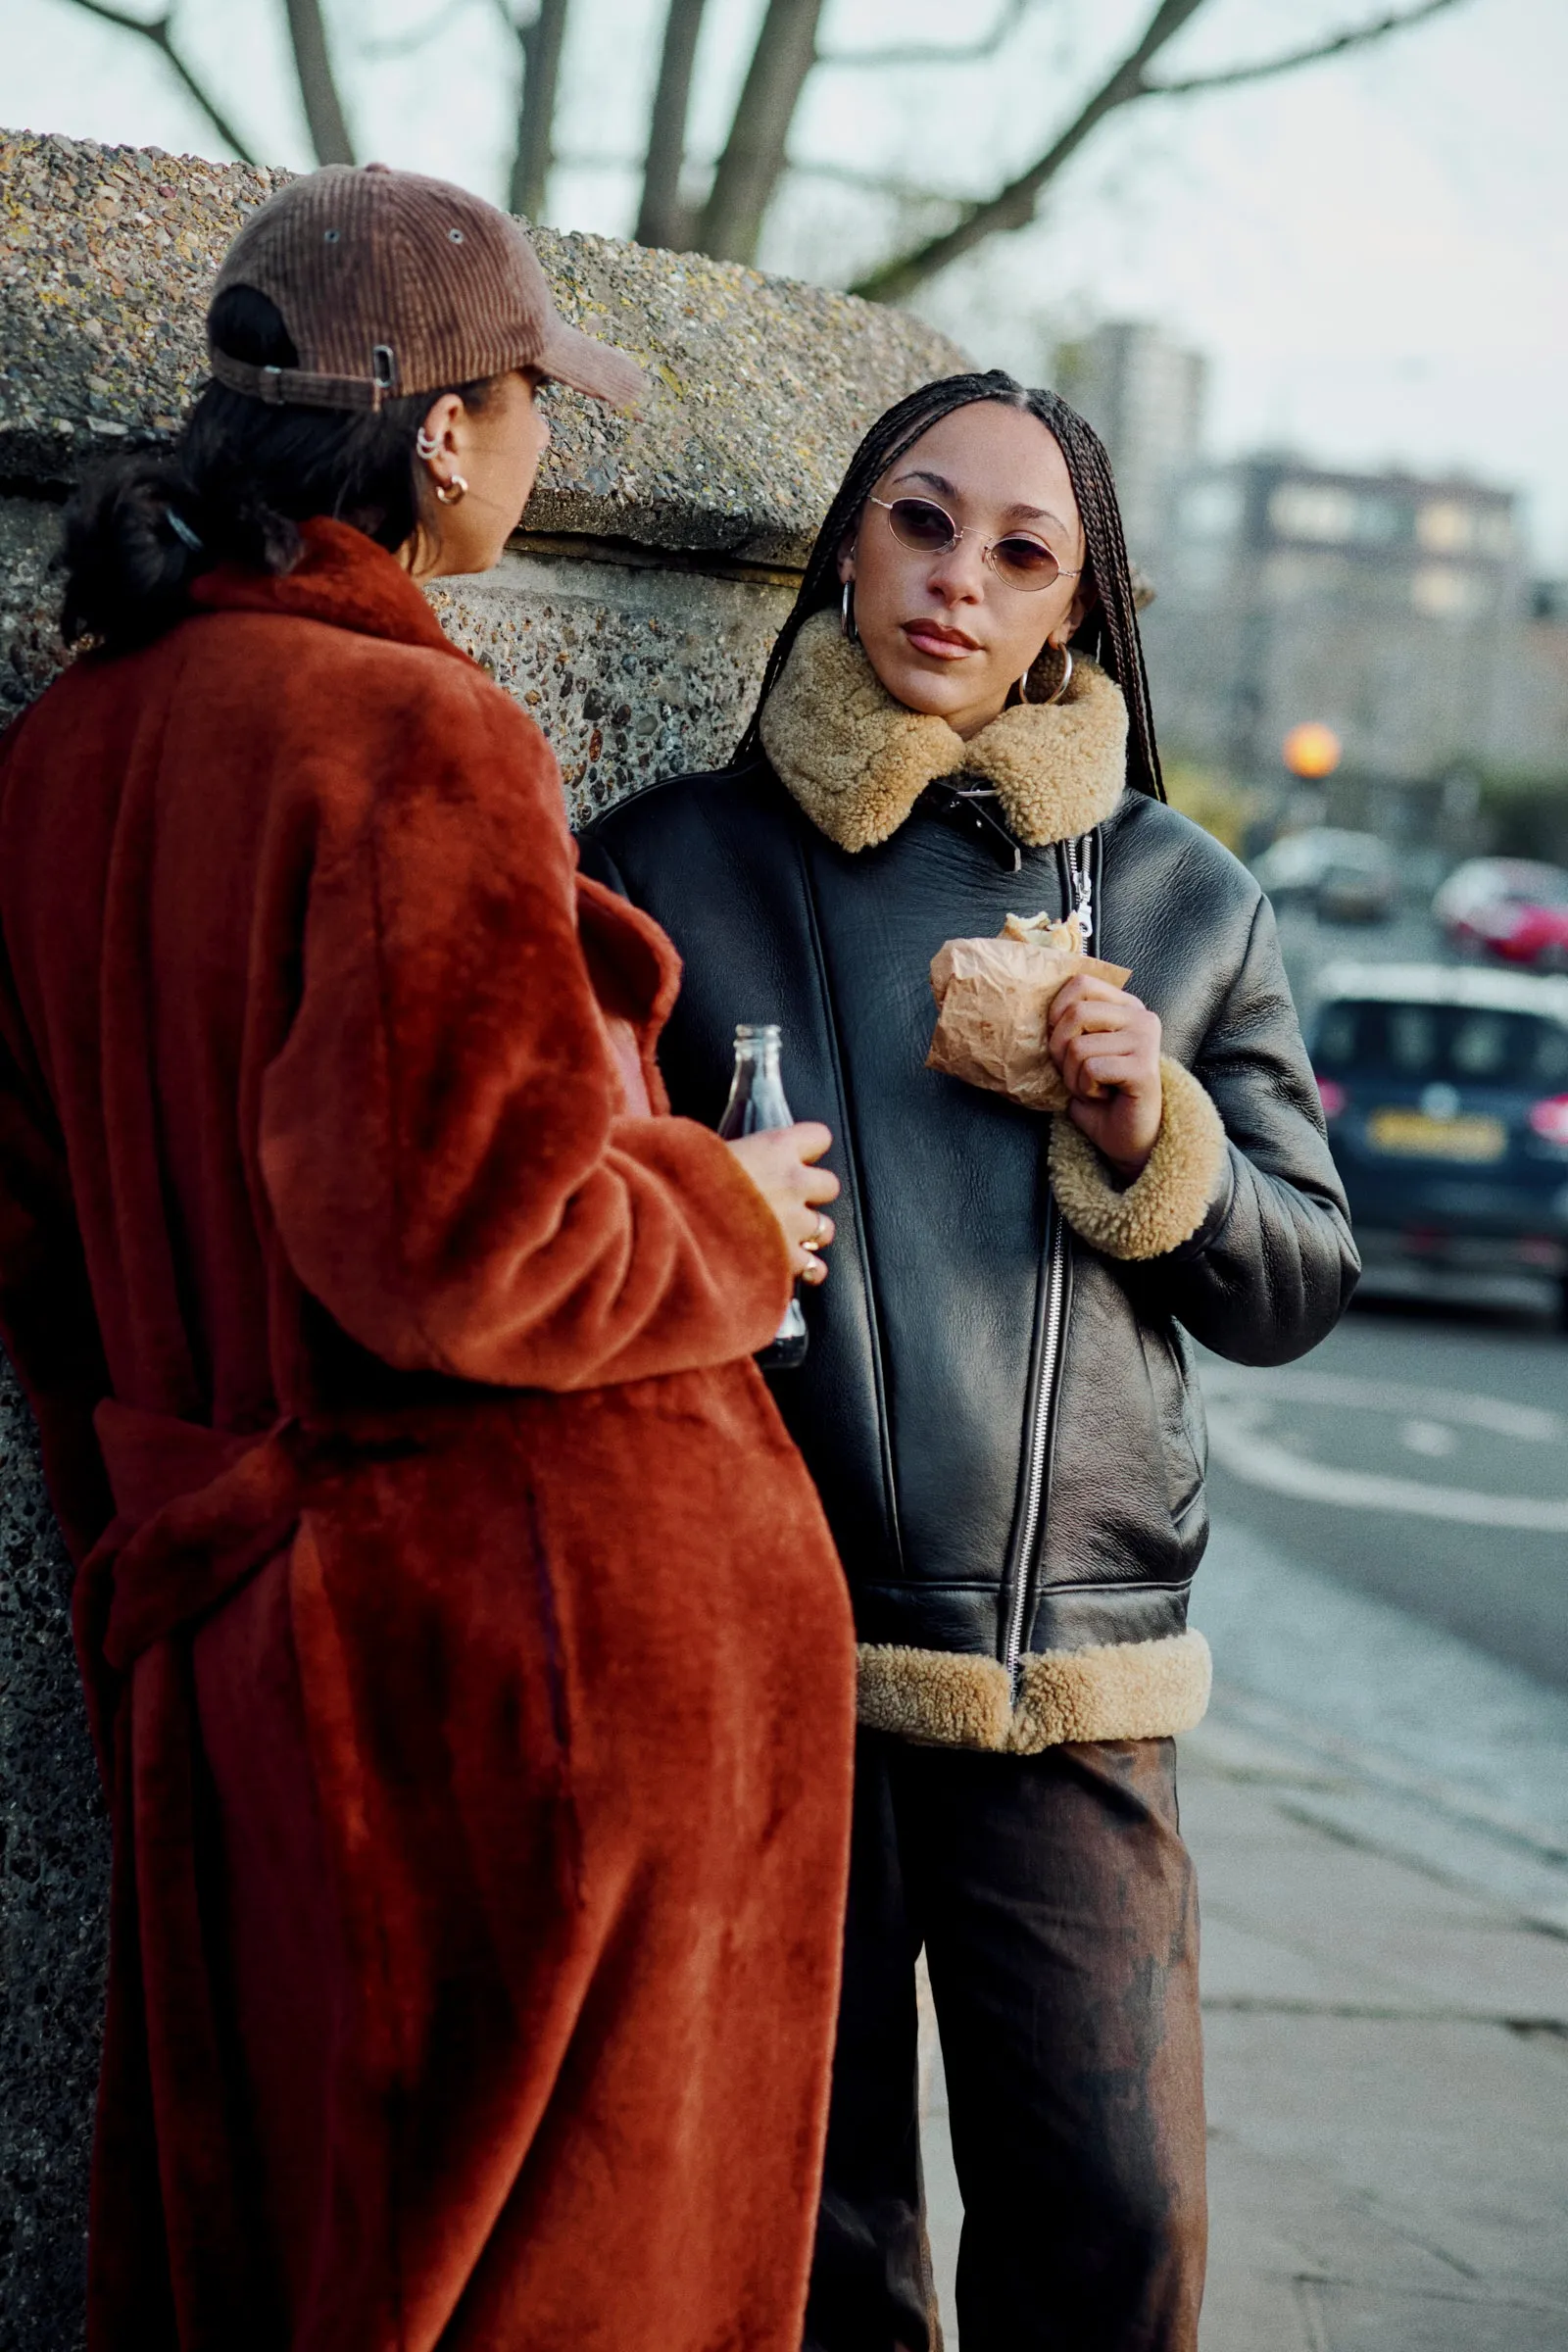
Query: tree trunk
{"points": [[750, 168], [662, 217], [542, 44], [313, 63]]}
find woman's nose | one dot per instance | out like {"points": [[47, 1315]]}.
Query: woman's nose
{"points": [[958, 576]]}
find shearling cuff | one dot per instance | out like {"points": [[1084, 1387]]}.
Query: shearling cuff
{"points": [[1115, 1691], [1118, 1690], [1167, 1205]]}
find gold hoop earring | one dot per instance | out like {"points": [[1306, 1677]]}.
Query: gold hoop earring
{"points": [[1061, 685], [846, 627], [1023, 687], [449, 493]]}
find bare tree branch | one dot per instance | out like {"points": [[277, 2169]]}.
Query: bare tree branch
{"points": [[662, 217], [752, 161], [877, 183], [313, 64], [1014, 206], [159, 31], [889, 59], [1355, 38], [541, 43]]}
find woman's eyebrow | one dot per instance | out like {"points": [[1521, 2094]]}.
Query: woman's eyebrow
{"points": [[939, 481]]}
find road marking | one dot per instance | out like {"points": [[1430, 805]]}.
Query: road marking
{"points": [[1434, 1438], [1501, 1418], [1240, 1402]]}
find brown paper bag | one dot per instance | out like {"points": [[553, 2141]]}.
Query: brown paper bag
{"points": [[994, 998]]}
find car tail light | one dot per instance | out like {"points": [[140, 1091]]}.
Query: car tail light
{"points": [[1550, 1119], [1333, 1097]]}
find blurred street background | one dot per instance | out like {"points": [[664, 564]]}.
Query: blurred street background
{"points": [[1302, 262]]}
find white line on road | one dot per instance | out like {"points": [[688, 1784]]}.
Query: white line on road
{"points": [[1240, 1399], [1502, 1419], [1259, 1462]]}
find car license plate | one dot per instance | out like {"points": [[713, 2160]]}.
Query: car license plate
{"points": [[1413, 1135]]}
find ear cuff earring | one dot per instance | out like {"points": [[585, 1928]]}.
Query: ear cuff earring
{"points": [[425, 446]]}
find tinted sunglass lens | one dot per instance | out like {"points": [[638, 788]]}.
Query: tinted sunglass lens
{"points": [[921, 524], [1025, 562]]}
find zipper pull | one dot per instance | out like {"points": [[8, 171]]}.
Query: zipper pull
{"points": [[1084, 911]]}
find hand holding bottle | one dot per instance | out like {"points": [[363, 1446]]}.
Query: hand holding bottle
{"points": [[781, 1161]]}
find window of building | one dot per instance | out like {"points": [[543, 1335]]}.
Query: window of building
{"points": [[1445, 526], [1445, 593], [1313, 511]]}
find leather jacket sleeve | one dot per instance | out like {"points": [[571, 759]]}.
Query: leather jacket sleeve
{"points": [[1269, 1272]]}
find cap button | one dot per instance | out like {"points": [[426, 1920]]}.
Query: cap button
{"points": [[377, 167]]}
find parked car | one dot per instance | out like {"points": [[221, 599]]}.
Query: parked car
{"points": [[1445, 1093], [1511, 908], [1344, 877]]}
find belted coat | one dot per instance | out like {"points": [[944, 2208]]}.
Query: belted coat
{"points": [[470, 1665]]}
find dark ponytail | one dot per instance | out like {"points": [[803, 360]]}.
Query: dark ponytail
{"points": [[1109, 631], [234, 489]]}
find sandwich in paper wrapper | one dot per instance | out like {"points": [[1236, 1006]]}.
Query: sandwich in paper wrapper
{"points": [[994, 1000]]}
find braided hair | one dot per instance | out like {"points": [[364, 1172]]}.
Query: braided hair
{"points": [[1109, 631]]}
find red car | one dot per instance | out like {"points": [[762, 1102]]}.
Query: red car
{"points": [[1510, 907]]}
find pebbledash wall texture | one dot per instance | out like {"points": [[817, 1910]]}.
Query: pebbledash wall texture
{"points": [[632, 616]]}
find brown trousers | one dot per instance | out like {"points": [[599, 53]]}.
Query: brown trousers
{"points": [[1057, 1908]]}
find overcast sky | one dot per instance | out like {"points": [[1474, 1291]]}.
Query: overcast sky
{"points": [[1374, 254]]}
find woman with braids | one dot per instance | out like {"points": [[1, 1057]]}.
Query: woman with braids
{"points": [[472, 1670], [999, 1401]]}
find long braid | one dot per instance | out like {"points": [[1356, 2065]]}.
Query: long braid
{"points": [[1109, 632]]}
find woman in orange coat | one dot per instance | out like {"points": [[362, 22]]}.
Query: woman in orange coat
{"points": [[469, 1662]]}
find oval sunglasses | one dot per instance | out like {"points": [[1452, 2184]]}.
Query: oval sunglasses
{"points": [[927, 529]]}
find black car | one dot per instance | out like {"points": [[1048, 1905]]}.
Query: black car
{"points": [[1445, 1093]]}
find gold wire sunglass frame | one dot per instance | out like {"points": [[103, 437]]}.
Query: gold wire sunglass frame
{"points": [[957, 531]]}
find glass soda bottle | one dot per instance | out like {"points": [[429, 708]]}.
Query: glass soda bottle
{"points": [[756, 1103]]}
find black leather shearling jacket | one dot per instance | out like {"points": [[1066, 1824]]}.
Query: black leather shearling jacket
{"points": [[1003, 1420]]}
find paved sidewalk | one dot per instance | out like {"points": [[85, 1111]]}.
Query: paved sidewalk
{"points": [[1386, 1991]]}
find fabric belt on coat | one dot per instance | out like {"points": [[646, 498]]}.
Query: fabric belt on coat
{"points": [[198, 1512]]}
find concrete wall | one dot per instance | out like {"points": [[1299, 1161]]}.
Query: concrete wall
{"points": [[632, 618]]}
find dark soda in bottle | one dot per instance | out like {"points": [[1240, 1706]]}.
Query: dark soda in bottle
{"points": [[756, 1103]]}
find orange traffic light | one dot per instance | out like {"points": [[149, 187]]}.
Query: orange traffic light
{"points": [[1311, 750]]}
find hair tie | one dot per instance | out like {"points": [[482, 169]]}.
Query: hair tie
{"points": [[182, 531]]}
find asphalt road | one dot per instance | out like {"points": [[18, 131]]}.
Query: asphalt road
{"points": [[1420, 1455]]}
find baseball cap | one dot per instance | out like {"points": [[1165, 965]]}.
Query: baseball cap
{"points": [[390, 283]]}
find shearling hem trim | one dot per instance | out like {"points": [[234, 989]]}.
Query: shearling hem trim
{"points": [[1167, 1205], [856, 761], [1116, 1690]]}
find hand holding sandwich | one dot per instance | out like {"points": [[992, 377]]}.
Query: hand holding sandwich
{"points": [[1106, 1045]]}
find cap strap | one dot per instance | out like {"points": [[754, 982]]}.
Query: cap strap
{"points": [[296, 388]]}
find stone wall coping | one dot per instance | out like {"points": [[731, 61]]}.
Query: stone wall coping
{"points": [[760, 386]]}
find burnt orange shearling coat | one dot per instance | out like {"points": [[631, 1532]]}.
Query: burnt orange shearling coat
{"points": [[471, 1666]]}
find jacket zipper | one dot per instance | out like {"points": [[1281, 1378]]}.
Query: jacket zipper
{"points": [[1081, 859], [1045, 1398]]}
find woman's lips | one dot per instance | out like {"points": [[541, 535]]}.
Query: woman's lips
{"points": [[942, 644]]}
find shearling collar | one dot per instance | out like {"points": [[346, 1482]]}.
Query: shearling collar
{"points": [[856, 761]]}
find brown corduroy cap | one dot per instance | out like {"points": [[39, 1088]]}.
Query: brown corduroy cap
{"points": [[389, 282]]}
